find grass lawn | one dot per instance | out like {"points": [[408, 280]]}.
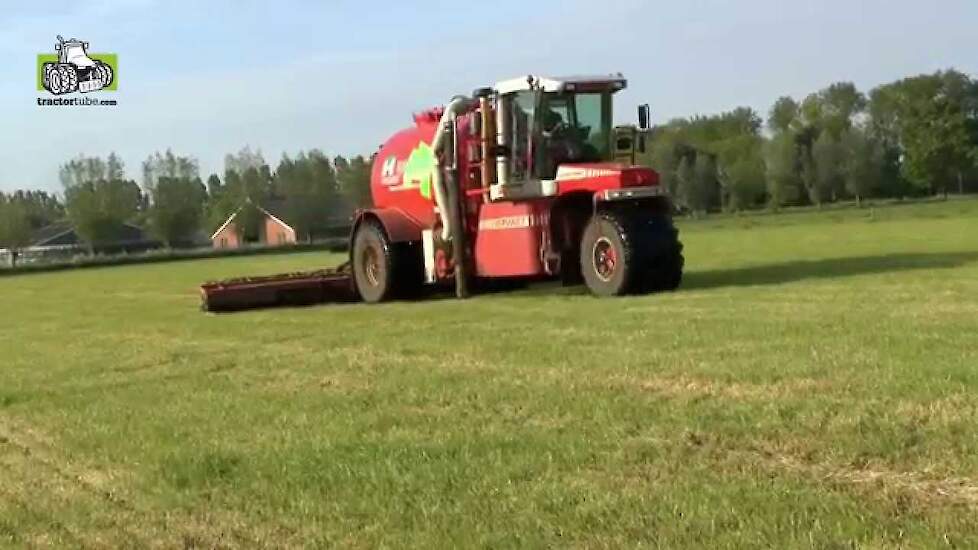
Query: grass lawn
{"points": [[814, 384]]}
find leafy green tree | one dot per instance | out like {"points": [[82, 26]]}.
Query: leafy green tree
{"points": [[355, 182], [308, 185], [84, 169], [731, 142], [177, 209], [15, 226], [168, 165], [840, 103], [98, 198], [665, 153], [705, 178], [808, 172], [741, 173], [828, 158], [685, 183], [883, 126], [99, 209], [783, 114], [177, 196], [221, 201], [42, 208], [863, 167], [740, 170], [932, 122], [781, 169], [214, 185], [244, 160]]}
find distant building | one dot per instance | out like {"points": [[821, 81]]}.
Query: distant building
{"points": [[272, 231], [62, 236], [60, 241]]}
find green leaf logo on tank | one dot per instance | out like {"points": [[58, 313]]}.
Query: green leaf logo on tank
{"points": [[420, 169]]}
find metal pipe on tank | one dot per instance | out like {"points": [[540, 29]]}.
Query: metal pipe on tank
{"points": [[447, 207], [487, 138], [504, 151]]}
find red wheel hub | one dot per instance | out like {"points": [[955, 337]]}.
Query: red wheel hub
{"points": [[605, 258]]}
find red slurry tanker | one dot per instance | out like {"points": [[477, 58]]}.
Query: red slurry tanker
{"points": [[526, 179]]}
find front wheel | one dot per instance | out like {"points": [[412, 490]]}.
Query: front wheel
{"points": [[630, 253], [607, 256], [69, 79]]}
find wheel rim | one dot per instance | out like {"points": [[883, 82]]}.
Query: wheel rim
{"points": [[371, 266], [605, 259]]}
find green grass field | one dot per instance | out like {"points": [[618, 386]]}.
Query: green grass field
{"points": [[814, 384]]}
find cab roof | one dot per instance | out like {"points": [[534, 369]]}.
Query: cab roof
{"points": [[614, 82]]}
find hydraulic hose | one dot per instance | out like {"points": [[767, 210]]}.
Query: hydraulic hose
{"points": [[446, 207]]}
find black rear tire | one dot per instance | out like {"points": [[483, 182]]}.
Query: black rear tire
{"points": [[372, 260], [383, 270], [663, 253]]}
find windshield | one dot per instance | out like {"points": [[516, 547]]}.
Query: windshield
{"points": [[574, 127], [74, 53]]}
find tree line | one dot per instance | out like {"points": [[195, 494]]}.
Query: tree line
{"points": [[175, 205], [914, 137]]}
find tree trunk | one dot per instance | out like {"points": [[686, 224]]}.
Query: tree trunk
{"points": [[13, 258], [859, 201], [960, 183]]}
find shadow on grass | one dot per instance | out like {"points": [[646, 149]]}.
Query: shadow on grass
{"points": [[788, 272]]}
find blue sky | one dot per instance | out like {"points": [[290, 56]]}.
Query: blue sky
{"points": [[207, 78]]}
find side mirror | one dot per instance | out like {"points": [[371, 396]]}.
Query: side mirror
{"points": [[57, 47], [644, 117]]}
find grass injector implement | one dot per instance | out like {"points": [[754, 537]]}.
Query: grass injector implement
{"points": [[527, 179]]}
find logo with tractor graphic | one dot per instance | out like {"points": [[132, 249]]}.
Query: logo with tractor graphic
{"points": [[73, 69]]}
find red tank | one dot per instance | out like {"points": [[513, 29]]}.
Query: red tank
{"points": [[403, 169]]}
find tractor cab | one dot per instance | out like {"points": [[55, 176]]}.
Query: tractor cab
{"points": [[73, 51], [544, 124]]}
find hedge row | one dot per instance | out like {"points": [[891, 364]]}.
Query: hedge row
{"points": [[173, 255]]}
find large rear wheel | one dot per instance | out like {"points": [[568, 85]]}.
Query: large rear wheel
{"points": [[383, 270], [372, 259]]}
